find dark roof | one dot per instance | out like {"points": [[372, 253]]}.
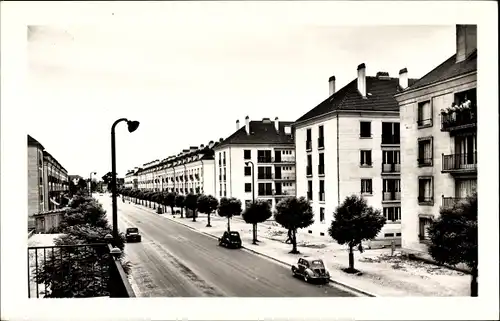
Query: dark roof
{"points": [[34, 142], [448, 69], [380, 97], [261, 132]]}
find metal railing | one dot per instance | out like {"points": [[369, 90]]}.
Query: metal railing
{"points": [[391, 168], [390, 140], [456, 162], [458, 118], [69, 271], [448, 202], [270, 160], [391, 196]]}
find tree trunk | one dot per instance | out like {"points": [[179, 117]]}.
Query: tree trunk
{"points": [[182, 212], [228, 225], [351, 258], [154, 205], [294, 242], [473, 283], [194, 215], [208, 224], [172, 210], [254, 234]]}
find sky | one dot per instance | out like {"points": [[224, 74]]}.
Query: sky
{"points": [[188, 84]]}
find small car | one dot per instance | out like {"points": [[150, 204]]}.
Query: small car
{"points": [[132, 235], [311, 269], [230, 239]]}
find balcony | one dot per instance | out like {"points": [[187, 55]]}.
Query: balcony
{"points": [[321, 170], [321, 143], [308, 145], [460, 163], [458, 120], [286, 193], [265, 176], [391, 168], [272, 160], [391, 196], [390, 140], [287, 177], [309, 171], [449, 202], [265, 160]]}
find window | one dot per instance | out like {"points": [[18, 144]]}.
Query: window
{"points": [[264, 172], [365, 158], [423, 226], [247, 154], [248, 171], [321, 138], [322, 214], [398, 234], [391, 189], [389, 235], [264, 156], [265, 189], [248, 187], [425, 190], [321, 166], [308, 139], [392, 214], [425, 151], [366, 186], [424, 114], [390, 133], [309, 165], [321, 190], [365, 129], [309, 190]]}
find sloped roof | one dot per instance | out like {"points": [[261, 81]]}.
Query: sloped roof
{"points": [[447, 70], [380, 97], [34, 142], [261, 132]]}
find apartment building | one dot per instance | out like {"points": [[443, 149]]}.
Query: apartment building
{"points": [[131, 178], [191, 171], [438, 139], [350, 144], [256, 162], [47, 180]]}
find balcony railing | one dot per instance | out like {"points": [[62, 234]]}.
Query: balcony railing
{"points": [[448, 202], [458, 119], [460, 162], [283, 193], [390, 140], [271, 160], [321, 142], [391, 196], [321, 169], [265, 160], [284, 177], [308, 170], [308, 145], [265, 176], [391, 168], [71, 271]]}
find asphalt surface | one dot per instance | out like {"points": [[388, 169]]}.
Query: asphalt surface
{"points": [[175, 261]]}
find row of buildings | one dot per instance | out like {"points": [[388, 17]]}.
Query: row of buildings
{"points": [[407, 145], [47, 181]]}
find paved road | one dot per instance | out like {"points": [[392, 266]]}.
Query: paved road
{"points": [[173, 260]]}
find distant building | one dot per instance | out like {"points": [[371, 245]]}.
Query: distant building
{"points": [[269, 146], [131, 179], [56, 181], [350, 144], [439, 139]]}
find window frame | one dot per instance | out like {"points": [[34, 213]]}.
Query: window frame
{"points": [[420, 122], [421, 140], [361, 187], [245, 154], [245, 171], [361, 132], [419, 199], [368, 152]]}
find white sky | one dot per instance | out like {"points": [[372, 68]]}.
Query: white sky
{"points": [[188, 85]]}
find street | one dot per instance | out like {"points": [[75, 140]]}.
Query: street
{"points": [[175, 261]]}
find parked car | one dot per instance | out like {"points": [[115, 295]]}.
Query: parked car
{"points": [[230, 239], [132, 235], [311, 269]]}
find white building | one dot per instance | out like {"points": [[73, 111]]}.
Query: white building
{"points": [[263, 150], [349, 144], [191, 171], [131, 178], [438, 143]]}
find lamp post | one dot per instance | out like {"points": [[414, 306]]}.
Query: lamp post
{"points": [[132, 126], [253, 180], [90, 182]]}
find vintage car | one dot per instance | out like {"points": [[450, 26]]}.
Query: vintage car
{"points": [[311, 269], [132, 235], [230, 239]]}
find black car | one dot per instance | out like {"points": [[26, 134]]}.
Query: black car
{"points": [[311, 269], [132, 234], [230, 239]]}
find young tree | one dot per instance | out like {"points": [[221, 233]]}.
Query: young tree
{"points": [[207, 204], [257, 212], [293, 213], [228, 207], [454, 236], [170, 201], [354, 222], [179, 202], [191, 202]]}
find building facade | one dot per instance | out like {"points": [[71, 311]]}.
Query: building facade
{"points": [[256, 162], [350, 144], [191, 171], [56, 182], [439, 139], [131, 179]]}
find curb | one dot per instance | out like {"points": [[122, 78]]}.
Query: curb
{"points": [[353, 289]]}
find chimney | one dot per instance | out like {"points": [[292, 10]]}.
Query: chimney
{"points": [[403, 78], [277, 124], [362, 80], [202, 146], [221, 139], [331, 85], [247, 125], [237, 124], [466, 41]]}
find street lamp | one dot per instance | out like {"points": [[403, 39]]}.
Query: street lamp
{"points": [[253, 181], [132, 126], [90, 182]]}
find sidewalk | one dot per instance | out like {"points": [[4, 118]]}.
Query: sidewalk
{"points": [[382, 274]]}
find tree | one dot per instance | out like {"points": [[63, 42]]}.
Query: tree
{"points": [[170, 201], [258, 212], [179, 202], [82, 184], [228, 207], [354, 222], [454, 237], [293, 213], [207, 204], [191, 202]]}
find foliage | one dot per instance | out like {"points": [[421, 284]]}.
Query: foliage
{"points": [[191, 202], [170, 201], [82, 184], [179, 202], [207, 204], [228, 207], [258, 212], [293, 213]]}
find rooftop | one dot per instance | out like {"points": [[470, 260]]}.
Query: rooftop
{"points": [[261, 132]]}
